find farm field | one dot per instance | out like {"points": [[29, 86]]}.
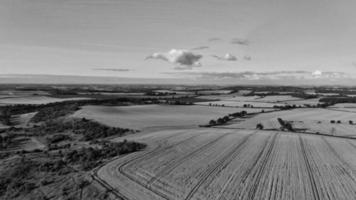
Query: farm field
{"points": [[257, 101], [315, 120], [34, 100], [235, 164], [278, 98], [150, 116], [240, 103], [303, 102]]}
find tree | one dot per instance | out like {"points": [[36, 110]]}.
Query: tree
{"points": [[351, 122], [259, 126], [332, 121], [289, 127], [212, 122], [221, 121]]}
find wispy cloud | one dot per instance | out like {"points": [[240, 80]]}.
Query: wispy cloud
{"points": [[112, 69], [227, 57], [240, 41], [200, 48], [214, 39], [248, 58], [182, 59]]}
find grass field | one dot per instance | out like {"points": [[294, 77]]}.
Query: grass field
{"points": [[149, 116], [236, 164]]}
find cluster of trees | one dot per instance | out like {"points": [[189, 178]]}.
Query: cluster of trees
{"points": [[219, 121], [225, 119], [335, 100], [285, 125], [179, 102], [89, 158], [5, 119], [90, 130], [339, 122], [222, 105], [24, 174], [15, 180], [286, 107], [248, 106], [6, 141], [58, 138], [55, 111]]}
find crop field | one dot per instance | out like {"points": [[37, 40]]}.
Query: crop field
{"points": [[315, 120], [33, 100], [148, 116], [347, 107], [277, 98], [240, 103], [236, 164], [303, 102], [257, 101]]}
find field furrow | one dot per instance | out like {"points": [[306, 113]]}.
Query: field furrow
{"points": [[215, 168]]}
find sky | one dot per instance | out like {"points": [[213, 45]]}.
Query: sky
{"points": [[216, 40]]}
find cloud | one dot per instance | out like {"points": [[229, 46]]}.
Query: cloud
{"points": [[240, 41], [227, 57], [317, 74], [272, 75], [200, 48], [112, 69], [248, 58], [183, 59], [353, 64], [214, 39]]}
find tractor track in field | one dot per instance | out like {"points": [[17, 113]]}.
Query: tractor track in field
{"points": [[249, 169], [225, 160], [351, 172], [262, 168], [156, 150], [176, 163], [106, 185], [309, 170], [352, 144]]}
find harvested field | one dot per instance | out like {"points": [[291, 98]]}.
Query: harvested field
{"points": [[236, 164], [148, 116]]}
